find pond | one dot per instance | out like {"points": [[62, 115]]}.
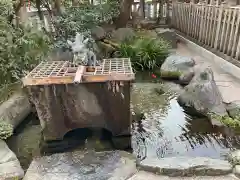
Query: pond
{"points": [[165, 131]]}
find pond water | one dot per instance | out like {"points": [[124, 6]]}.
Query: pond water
{"points": [[165, 131], [168, 131]]}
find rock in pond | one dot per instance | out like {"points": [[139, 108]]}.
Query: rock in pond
{"points": [[9, 165], [15, 109], [186, 166], [202, 94], [81, 165], [234, 157], [233, 109], [174, 66]]}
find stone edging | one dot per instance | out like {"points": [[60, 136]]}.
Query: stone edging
{"points": [[186, 166]]}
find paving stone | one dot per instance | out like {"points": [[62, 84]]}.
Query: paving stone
{"points": [[81, 165]]}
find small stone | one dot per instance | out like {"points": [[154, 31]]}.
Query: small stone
{"points": [[234, 157]]}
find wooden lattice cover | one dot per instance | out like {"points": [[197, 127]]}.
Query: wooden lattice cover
{"points": [[64, 72]]}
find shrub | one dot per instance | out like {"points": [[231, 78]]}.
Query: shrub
{"points": [[146, 53]]}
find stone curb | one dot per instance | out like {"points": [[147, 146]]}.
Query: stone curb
{"points": [[186, 166]]}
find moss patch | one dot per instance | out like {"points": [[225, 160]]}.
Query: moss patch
{"points": [[228, 121], [169, 74]]}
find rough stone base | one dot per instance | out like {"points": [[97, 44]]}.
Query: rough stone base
{"points": [[80, 165], [186, 166]]}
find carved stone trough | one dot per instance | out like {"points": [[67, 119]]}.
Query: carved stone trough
{"points": [[100, 99]]}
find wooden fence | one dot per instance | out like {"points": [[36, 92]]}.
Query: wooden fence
{"points": [[215, 26]]}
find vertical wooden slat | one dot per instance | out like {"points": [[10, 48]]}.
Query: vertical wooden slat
{"points": [[238, 49], [195, 18], [236, 34], [219, 22], [207, 24], [198, 21], [215, 20], [226, 39], [185, 17], [202, 22], [180, 16], [190, 13], [211, 22], [223, 29], [230, 47]]}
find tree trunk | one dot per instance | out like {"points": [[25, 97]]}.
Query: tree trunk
{"points": [[160, 11], [57, 6], [142, 9], [40, 14], [125, 11]]}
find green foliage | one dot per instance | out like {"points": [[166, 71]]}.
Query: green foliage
{"points": [[6, 130], [82, 19], [146, 53], [21, 48]]}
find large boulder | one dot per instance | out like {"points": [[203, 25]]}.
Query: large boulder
{"points": [[98, 33], [82, 165], [15, 109], [202, 94], [175, 66], [168, 35], [9, 165], [122, 34]]}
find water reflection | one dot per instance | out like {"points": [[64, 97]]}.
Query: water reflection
{"points": [[167, 131]]}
